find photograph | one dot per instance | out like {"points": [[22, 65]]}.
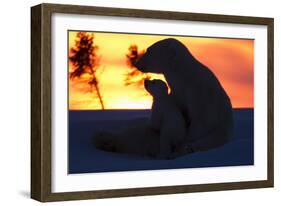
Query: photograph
{"points": [[133, 102], [151, 101]]}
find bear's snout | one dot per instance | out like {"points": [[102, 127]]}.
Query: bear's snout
{"points": [[140, 65]]}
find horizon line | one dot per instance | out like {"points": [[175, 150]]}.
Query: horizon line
{"points": [[237, 108]]}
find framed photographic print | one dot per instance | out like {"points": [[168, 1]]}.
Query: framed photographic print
{"points": [[130, 102]]}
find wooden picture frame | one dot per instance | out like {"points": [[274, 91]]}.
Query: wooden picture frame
{"points": [[41, 96]]}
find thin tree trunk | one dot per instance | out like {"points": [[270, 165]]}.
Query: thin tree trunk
{"points": [[98, 93], [99, 96]]}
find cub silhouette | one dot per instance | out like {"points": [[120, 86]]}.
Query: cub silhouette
{"points": [[167, 119]]}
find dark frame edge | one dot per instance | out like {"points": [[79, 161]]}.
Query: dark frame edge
{"points": [[36, 139], [41, 102], [157, 14], [270, 98], [164, 190]]}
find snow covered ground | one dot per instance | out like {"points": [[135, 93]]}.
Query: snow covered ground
{"points": [[84, 157]]}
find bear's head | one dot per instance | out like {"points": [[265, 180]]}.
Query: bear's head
{"points": [[160, 56], [156, 87]]}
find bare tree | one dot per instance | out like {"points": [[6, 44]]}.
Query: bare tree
{"points": [[134, 76], [83, 57]]}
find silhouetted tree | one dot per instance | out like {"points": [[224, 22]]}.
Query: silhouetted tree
{"points": [[85, 61], [134, 76]]}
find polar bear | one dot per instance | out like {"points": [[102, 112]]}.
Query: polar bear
{"points": [[166, 118], [196, 90]]}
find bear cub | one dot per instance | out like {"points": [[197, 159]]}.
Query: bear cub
{"points": [[167, 119]]}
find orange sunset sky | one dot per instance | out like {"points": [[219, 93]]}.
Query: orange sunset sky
{"points": [[232, 61]]}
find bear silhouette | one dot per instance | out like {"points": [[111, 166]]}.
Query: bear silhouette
{"points": [[167, 119], [197, 93]]}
